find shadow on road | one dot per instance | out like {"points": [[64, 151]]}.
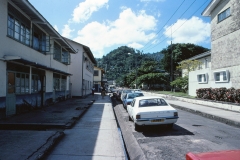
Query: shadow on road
{"points": [[159, 131]]}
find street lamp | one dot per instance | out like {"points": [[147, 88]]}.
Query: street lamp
{"points": [[135, 69]]}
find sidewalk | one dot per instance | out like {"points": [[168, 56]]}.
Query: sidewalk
{"points": [[209, 110], [31, 135]]}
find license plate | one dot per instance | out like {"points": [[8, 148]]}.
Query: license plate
{"points": [[157, 120]]}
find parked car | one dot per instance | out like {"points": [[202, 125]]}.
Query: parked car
{"points": [[125, 91], [217, 155], [151, 110], [137, 90], [128, 98], [138, 94], [118, 94]]}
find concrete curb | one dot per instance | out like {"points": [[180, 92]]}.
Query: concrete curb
{"points": [[47, 147], [134, 150], [210, 116]]}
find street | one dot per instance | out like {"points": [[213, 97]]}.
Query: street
{"points": [[191, 133]]}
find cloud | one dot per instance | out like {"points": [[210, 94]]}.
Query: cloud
{"points": [[66, 31], [194, 30], [85, 9], [135, 45], [55, 27], [130, 28]]}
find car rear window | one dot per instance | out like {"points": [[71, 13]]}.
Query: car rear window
{"points": [[152, 102]]}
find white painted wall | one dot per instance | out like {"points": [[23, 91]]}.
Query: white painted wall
{"points": [[79, 71]]}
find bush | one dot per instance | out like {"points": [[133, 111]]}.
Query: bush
{"points": [[219, 94]]}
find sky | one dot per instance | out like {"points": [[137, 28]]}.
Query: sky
{"points": [[145, 25]]}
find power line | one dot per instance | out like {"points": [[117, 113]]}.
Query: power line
{"points": [[179, 26], [166, 22]]}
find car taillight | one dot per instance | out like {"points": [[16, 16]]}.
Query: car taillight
{"points": [[175, 114], [138, 116]]}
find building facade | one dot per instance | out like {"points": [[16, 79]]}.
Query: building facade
{"points": [[224, 70], [98, 78], [82, 69], [34, 59]]}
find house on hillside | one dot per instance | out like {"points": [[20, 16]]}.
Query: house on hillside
{"points": [[34, 59], [98, 78], [224, 70], [82, 69]]}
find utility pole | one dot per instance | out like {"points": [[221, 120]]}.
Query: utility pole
{"points": [[171, 73], [136, 69]]}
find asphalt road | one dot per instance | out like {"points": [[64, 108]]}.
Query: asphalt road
{"points": [[191, 133]]}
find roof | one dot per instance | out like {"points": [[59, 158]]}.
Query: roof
{"points": [[208, 10], [86, 49], [38, 19], [202, 55], [99, 68]]}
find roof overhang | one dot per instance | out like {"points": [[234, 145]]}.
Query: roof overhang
{"points": [[20, 60], [207, 11], [202, 55], [38, 19]]}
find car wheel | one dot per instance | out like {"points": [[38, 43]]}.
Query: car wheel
{"points": [[170, 126], [137, 127]]}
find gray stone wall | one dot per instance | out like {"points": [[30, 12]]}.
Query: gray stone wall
{"points": [[226, 36]]}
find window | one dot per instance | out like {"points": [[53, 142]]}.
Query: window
{"points": [[65, 57], [57, 52], [18, 31], [56, 82], [96, 72], [202, 78], [206, 63], [41, 41], [63, 83], [22, 83], [224, 15], [221, 76], [36, 85]]}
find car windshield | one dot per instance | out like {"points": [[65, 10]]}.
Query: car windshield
{"points": [[139, 94], [152, 102], [127, 91], [131, 96]]}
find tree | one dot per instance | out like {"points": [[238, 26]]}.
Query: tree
{"points": [[188, 65], [179, 52], [181, 83]]}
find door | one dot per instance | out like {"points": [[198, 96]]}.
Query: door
{"points": [[10, 97]]}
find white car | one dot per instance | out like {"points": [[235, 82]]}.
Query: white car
{"points": [[151, 110]]}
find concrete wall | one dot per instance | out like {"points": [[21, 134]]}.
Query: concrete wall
{"points": [[226, 40]]}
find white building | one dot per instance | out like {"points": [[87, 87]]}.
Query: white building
{"points": [[99, 78], [82, 69], [34, 59], [224, 70]]}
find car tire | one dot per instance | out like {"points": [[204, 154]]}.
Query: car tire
{"points": [[170, 126], [137, 127]]}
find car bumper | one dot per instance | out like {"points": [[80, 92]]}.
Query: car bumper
{"points": [[156, 121]]}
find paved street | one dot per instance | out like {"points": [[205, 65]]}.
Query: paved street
{"points": [[191, 133]]}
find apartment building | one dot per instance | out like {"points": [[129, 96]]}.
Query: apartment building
{"points": [[82, 69], [34, 59], [224, 70]]}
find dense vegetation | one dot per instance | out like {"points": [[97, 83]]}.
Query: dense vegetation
{"points": [[124, 64]]}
